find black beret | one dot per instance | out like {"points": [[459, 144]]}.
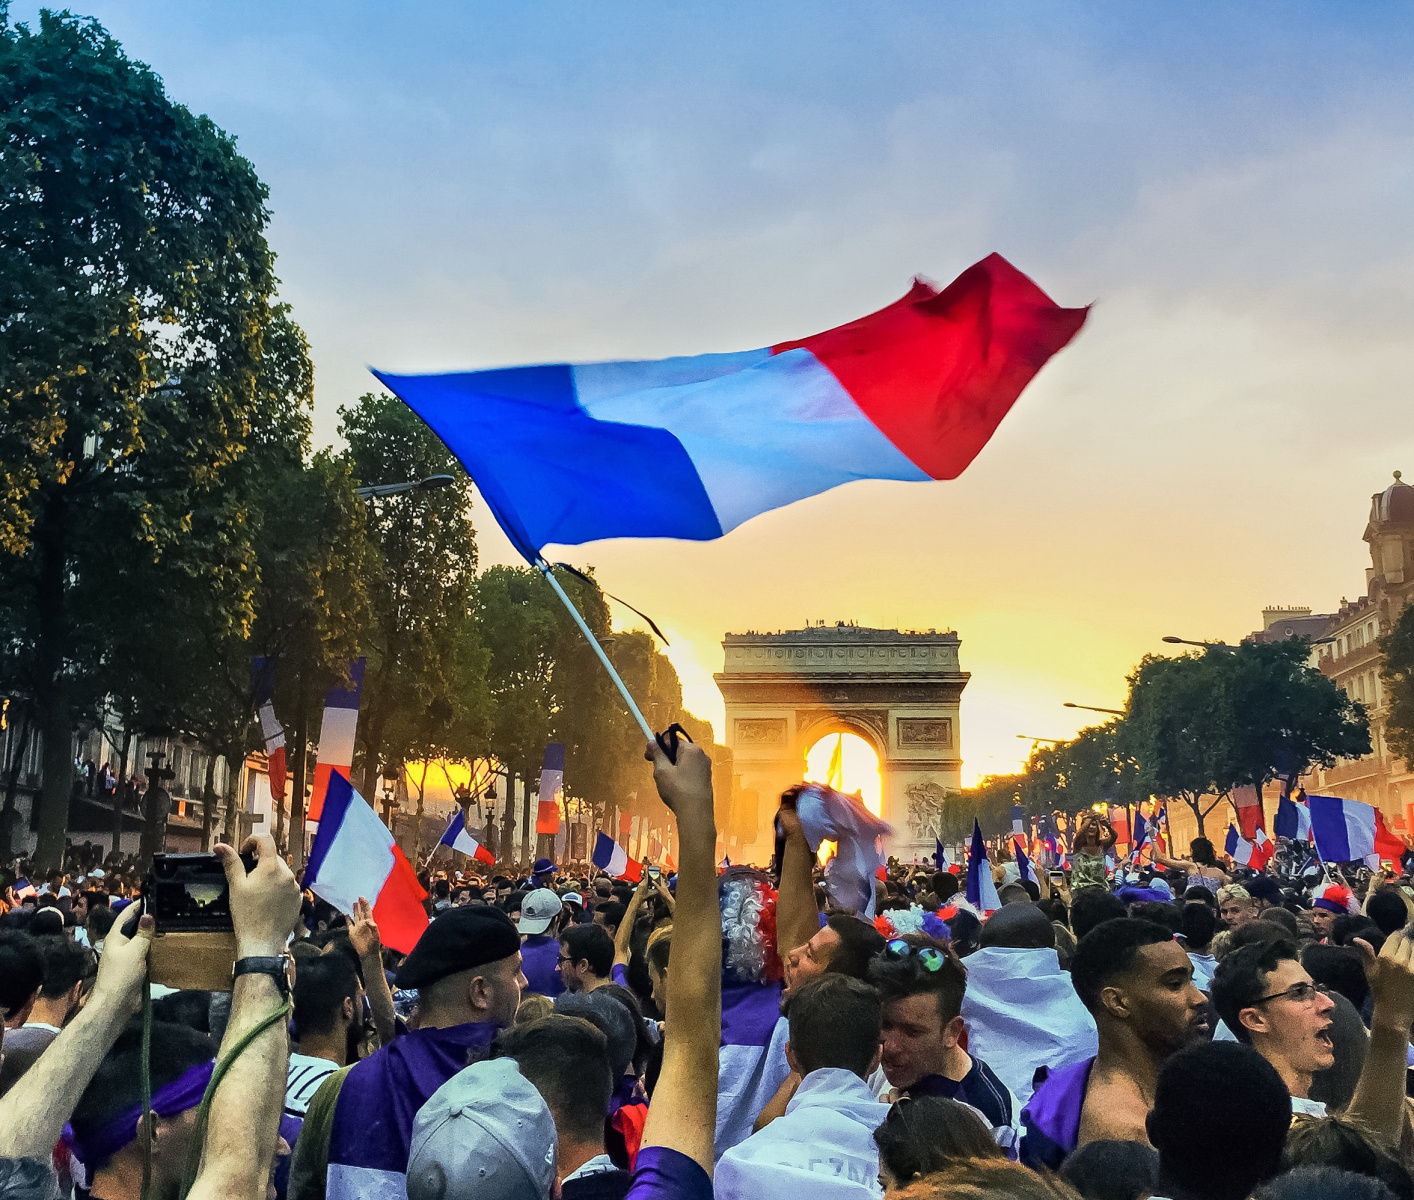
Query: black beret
{"points": [[458, 940]]}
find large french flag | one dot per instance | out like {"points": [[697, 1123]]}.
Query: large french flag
{"points": [[1344, 830], [692, 447], [354, 855], [1255, 854], [613, 859], [336, 736]]}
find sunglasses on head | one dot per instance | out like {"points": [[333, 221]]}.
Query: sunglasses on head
{"points": [[930, 956]]}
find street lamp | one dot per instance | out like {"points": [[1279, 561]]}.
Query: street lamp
{"points": [[1178, 641], [377, 490], [1026, 737], [1117, 712]]}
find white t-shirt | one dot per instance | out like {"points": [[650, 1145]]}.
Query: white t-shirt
{"points": [[306, 1074]]}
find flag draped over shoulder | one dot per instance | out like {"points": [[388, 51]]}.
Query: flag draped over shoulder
{"points": [[692, 447]]}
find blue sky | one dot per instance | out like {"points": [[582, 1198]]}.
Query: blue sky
{"points": [[465, 185]]}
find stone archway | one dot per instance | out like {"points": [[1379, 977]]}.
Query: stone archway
{"points": [[899, 691]]}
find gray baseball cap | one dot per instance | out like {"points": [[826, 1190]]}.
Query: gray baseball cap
{"points": [[487, 1133], [538, 909]]}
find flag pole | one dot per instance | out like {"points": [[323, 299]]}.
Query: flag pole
{"points": [[545, 569]]}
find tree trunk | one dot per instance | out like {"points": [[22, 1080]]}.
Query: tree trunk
{"points": [[508, 820], [208, 801], [1197, 808], [10, 819], [527, 844], [231, 827], [119, 790], [52, 685], [297, 783], [417, 835]]}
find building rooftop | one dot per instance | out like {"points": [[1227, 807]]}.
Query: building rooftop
{"points": [[840, 631]]}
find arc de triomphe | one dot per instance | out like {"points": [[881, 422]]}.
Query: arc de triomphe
{"points": [[899, 691]]}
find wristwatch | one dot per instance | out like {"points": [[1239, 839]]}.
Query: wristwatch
{"points": [[276, 966]]}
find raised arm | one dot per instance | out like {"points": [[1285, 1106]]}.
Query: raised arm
{"points": [[1174, 864], [797, 916], [363, 934], [33, 1112], [1379, 1095], [624, 934], [244, 1121], [683, 1115]]}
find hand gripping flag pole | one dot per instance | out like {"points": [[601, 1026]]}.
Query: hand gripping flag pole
{"points": [[546, 570]]}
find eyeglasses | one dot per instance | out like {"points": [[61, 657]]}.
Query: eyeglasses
{"points": [[565, 958], [930, 956], [1301, 993]]}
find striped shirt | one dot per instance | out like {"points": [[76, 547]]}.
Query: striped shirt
{"points": [[306, 1074]]}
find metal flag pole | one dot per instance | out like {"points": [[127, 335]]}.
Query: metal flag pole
{"points": [[545, 569]]}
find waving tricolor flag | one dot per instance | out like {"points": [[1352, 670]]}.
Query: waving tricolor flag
{"points": [[1255, 854], [336, 736], [270, 729], [613, 859], [692, 447], [354, 855], [1293, 820], [457, 838], [981, 888]]}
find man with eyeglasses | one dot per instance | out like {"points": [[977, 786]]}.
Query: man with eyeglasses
{"points": [[1265, 996], [921, 983]]}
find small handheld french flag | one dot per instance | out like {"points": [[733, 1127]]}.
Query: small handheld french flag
{"points": [[457, 838], [613, 859], [1255, 854], [981, 888], [354, 855], [1293, 820]]}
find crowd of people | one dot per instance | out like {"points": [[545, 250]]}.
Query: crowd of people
{"points": [[1190, 1030]]}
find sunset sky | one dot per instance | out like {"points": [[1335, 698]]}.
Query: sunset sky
{"points": [[471, 185]]}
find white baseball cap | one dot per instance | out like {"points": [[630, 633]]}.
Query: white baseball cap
{"points": [[487, 1133], [538, 909]]}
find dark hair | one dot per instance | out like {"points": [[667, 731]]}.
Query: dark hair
{"points": [[99, 921], [1323, 1183], [1349, 926], [1092, 906], [189, 1009], [860, 943], [613, 911], [966, 932], [590, 942], [1283, 918], [21, 972], [47, 922], [65, 964], [1340, 968], [834, 1022], [566, 1059], [1386, 909], [1240, 980], [626, 997], [1201, 895], [921, 1136], [1219, 1120], [442, 888], [1055, 910], [1200, 924], [322, 985], [117, 1085], [1160, 912], [899, 976], [1200, 850], [1112, 1170], [1108, 951], [1338, 1141]]}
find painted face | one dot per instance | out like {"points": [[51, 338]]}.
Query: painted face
{"points": [[806, 962], [1295, 1027], [916, 1039]]}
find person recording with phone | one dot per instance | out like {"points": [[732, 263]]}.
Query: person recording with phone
{"points": [[91, 1075]]}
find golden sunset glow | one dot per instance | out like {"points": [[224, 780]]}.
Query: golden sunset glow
{"points": [[848, 763]]}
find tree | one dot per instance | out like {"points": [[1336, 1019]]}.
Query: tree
{"points": [[1200, 725], [135, 288], [1397, 672], [421, 583]]}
